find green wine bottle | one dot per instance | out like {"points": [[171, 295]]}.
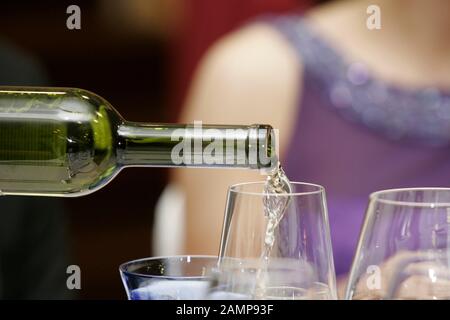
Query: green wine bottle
{"points": [[71, 142]]}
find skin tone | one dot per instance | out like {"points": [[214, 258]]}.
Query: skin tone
{"points": [[408, 275], [254, 76], [236, 84], [410, 50]]}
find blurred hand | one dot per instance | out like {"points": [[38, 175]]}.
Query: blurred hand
{"points": [[408, 275]]}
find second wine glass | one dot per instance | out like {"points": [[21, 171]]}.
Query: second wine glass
{"points": [[404, 246]]}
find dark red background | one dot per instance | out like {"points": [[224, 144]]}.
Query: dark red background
{"points": [[146, 79]]}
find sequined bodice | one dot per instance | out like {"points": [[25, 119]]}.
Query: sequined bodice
{"points": [[356, 134], [422, 116]]}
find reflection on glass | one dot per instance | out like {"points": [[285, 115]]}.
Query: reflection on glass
{"points": [[403, 250]]}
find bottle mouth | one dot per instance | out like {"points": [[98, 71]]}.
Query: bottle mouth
{"points": [[263, 147]]}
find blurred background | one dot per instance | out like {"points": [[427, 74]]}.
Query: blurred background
{"points": [[140, 56]]}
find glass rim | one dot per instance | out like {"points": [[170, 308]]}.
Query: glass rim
{"points": [[123, 266], [375, 196], [319, 189]]}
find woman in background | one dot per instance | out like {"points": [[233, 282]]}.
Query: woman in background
{"points": [[358, 110]]}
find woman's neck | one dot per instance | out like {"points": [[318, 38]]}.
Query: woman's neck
{"points": [[411, 49], [426, 23]]}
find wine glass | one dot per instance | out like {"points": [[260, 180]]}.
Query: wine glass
{"points": [[280, 279], [168, 278], [293, 262], [404, 246]]}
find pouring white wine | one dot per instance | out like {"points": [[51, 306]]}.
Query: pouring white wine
{"points": [[71, 142]]}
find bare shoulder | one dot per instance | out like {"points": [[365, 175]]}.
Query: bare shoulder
{"points": [[257, 49], [250, 76]]}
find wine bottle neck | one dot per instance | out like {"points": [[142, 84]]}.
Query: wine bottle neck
{"points": [[169, 145]]}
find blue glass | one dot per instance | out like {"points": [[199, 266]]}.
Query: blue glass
{"points": [[167, 278]]}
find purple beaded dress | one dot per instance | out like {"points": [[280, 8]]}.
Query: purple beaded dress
{"points": [[356, 134]]}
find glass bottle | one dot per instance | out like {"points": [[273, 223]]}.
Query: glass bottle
{"points": [[71, 142]]}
